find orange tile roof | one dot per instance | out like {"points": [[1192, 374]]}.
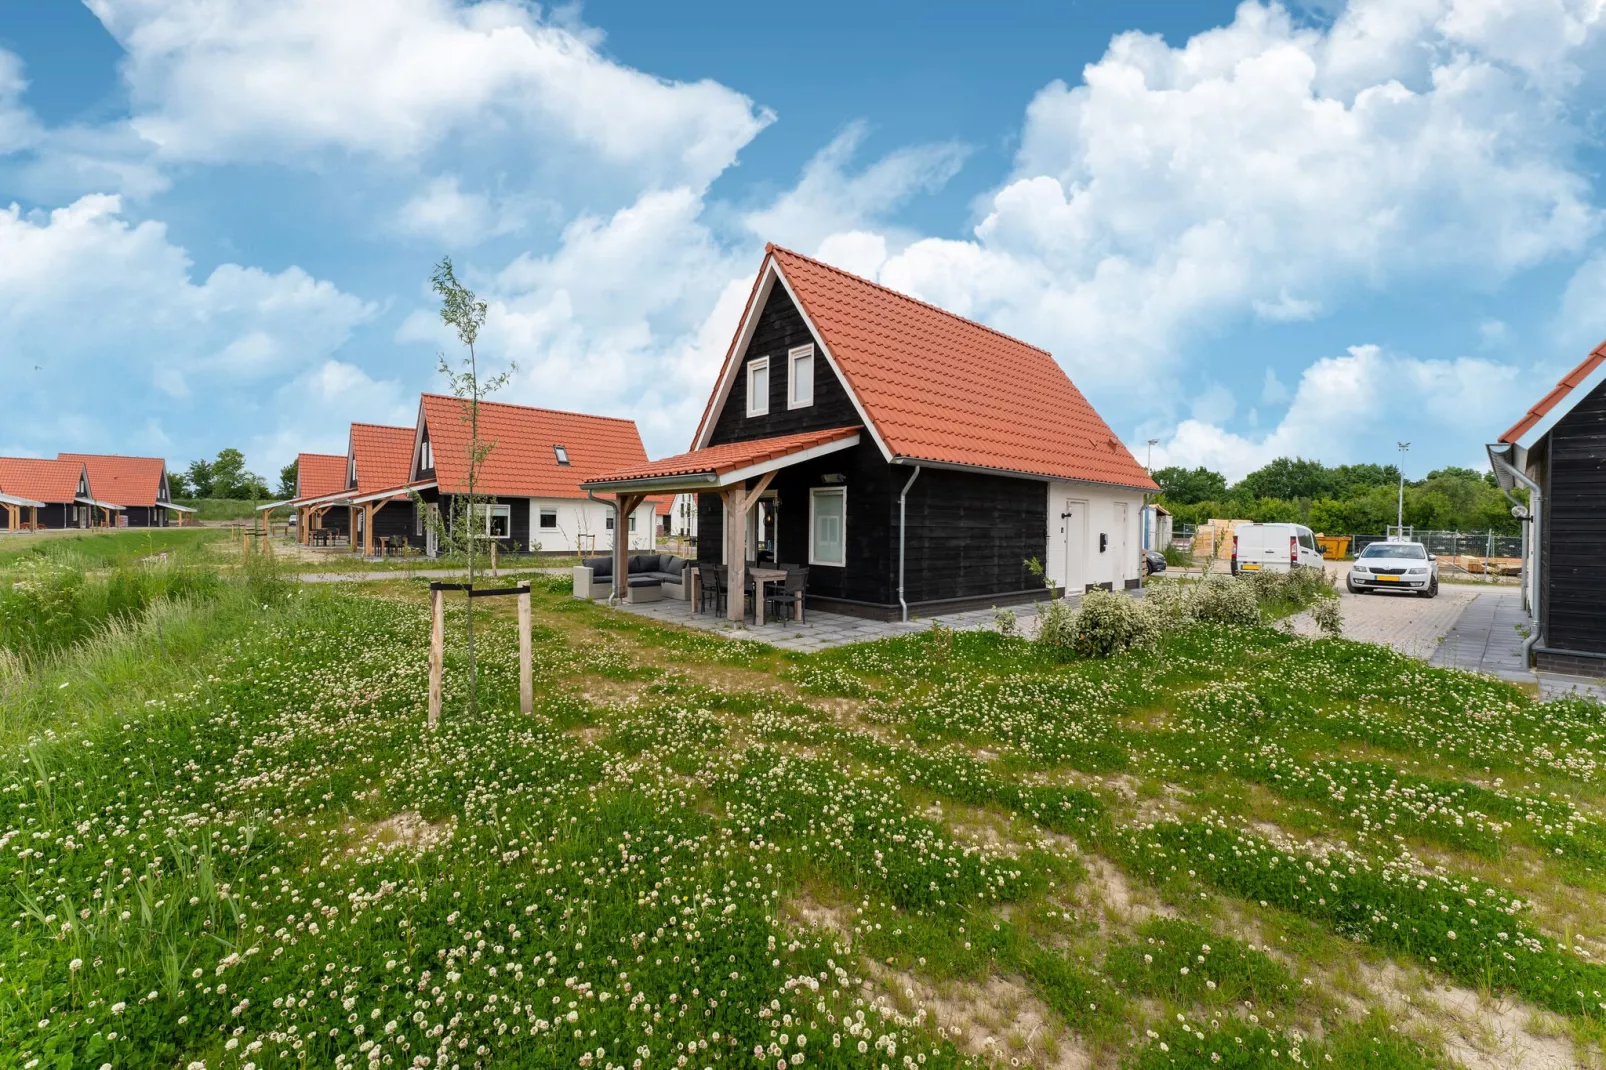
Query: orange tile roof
{"points": [[942, 388], [40, 479], [1568, 383], [717, 460], [121, 480], [523, 462], [320, 474], [384, 456]]}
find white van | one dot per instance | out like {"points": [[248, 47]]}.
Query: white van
{"points": [[1274, 548]]}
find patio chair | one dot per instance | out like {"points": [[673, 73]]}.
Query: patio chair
{"points": [[714, 581], [782, 603]]}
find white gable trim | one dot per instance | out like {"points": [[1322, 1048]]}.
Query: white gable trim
{"points": [[418, 442], [744, 338], [1549, 420]]}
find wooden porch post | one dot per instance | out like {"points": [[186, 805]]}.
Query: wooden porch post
{"points": [[736, 550], [623, 505], [351, 526]]}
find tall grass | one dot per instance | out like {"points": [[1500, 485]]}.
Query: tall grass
{"points": [[108, 549], [48, 607]]}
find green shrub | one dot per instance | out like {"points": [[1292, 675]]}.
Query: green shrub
{"points": [[1328, 617], [1225, 600], [1056, 625], [1109, 623]]}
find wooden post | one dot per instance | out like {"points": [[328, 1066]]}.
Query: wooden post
{"points": [[526, 659], [437, 653], [624, 505], [736, 550]]}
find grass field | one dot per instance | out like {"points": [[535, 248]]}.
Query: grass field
{"points": [[229, 841]]}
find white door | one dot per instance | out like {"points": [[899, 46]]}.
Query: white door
{"points": [[1123, 546], [1073, 545]]}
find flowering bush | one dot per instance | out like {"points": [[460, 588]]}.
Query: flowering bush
{"points": [[1108, 623], [1225, 600]]}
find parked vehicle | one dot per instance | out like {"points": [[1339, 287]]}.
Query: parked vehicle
{"points": [[1274, 548], [1153, 561], [1394, 566]]}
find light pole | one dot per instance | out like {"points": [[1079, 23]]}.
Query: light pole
{"points": [[1399, 514], [1148, 515]]}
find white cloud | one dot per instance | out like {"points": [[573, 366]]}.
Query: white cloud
{"points": [[1273, 392], [444, 212], [1348, 408], [18, 129], [829, 199], [1581, 323], [230, 80], [1265, 169], [105, 325]]}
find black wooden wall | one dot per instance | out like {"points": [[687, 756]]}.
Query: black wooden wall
{"points": [[1574, 602], [519, 520], [780, 328], [398, 520], [970, 534]]}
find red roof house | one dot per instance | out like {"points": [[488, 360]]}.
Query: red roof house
{"points": [[905, 455], [138, 484], [55, 493]]}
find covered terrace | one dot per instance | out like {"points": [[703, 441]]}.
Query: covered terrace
{"points": [[739, 472]]}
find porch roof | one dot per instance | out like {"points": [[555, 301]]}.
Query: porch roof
{"points": [[27, 503], [84, 499], [719, 466], [393, 493]]}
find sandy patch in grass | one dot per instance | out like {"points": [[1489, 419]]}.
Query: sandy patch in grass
{"points": [[407, 830], [998, 1021], [1479, 1032]]}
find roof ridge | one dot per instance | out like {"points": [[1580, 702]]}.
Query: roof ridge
{"points": [[62, 455], [537, 408], [384, 427], [771, 247]]}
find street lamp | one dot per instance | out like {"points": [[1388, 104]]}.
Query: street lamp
{"points": [[1399, 515], [1150, 464]]}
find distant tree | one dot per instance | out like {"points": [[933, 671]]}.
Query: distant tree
{"points": [[287, 479], [1186, 486], [200, 478], [230, 479], [1287, 478], [1350, 479], [177, 487]]}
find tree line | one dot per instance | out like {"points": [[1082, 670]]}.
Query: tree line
{"points": [[226, 477], [1346, 499]]}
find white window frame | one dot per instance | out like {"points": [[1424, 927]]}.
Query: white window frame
{"points": [[427, 460], [541, 513], [490, 511], [758, 405], [793, 357], [815, 494]]}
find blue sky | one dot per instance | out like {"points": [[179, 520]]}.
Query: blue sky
{"points": [[1244, 231]]}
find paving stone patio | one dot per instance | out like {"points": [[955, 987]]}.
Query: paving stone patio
{"points": [[821, 630]]}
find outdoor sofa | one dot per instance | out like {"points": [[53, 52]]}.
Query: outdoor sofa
{"points": [[652, 576]]}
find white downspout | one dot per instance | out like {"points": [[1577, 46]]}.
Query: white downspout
{"points": [[1536, 503], [902, 501]]}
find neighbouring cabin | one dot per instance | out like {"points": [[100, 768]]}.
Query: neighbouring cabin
{"points": [[321, 504], [138, 484], [1558, 451], [914, 461], [528, 484], [50, 494], [379, 458]]}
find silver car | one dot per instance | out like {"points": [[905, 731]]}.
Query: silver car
{"points": [[1394, 566]]}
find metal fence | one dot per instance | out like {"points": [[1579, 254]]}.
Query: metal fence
{"points": [[1454, 543]]}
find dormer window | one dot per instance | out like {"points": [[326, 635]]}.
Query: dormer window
{"points": [[758, 386], [800, 377], [426, 458], [561, 453]]}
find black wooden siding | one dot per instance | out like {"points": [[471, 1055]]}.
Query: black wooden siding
{"points": [[398, 520], [1574, 573], [518, 519], [780, 328], [146, 516], [969, 534]]}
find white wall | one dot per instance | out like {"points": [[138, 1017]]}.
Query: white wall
{"points": [[1097, 512], [582, 516], [684, 515]]}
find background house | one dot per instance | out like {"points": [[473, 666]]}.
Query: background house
{"points": [[320, 501], [1557, 452], [138, 484], [533, 473], [61, 488], [380, 457], [910, 457]]}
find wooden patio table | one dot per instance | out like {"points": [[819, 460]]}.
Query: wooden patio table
{"points": [[761, 576]]}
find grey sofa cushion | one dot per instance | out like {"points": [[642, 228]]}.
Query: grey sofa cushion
{"points": [[644, 581], [672, 565], [601, 567], [640, 563]]}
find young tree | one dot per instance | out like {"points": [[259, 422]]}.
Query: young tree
{"points": [[469, 522], [287, 479], [176, 485]]}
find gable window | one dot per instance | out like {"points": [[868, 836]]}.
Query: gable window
{"points": [[800, 377], [828, 522], [758, 386], [498, 520], [549, 519], [426, 460], [561, 453]]}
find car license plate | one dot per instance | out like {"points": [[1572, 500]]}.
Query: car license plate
{"points": [[1387, 579], [1249, 568]]}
